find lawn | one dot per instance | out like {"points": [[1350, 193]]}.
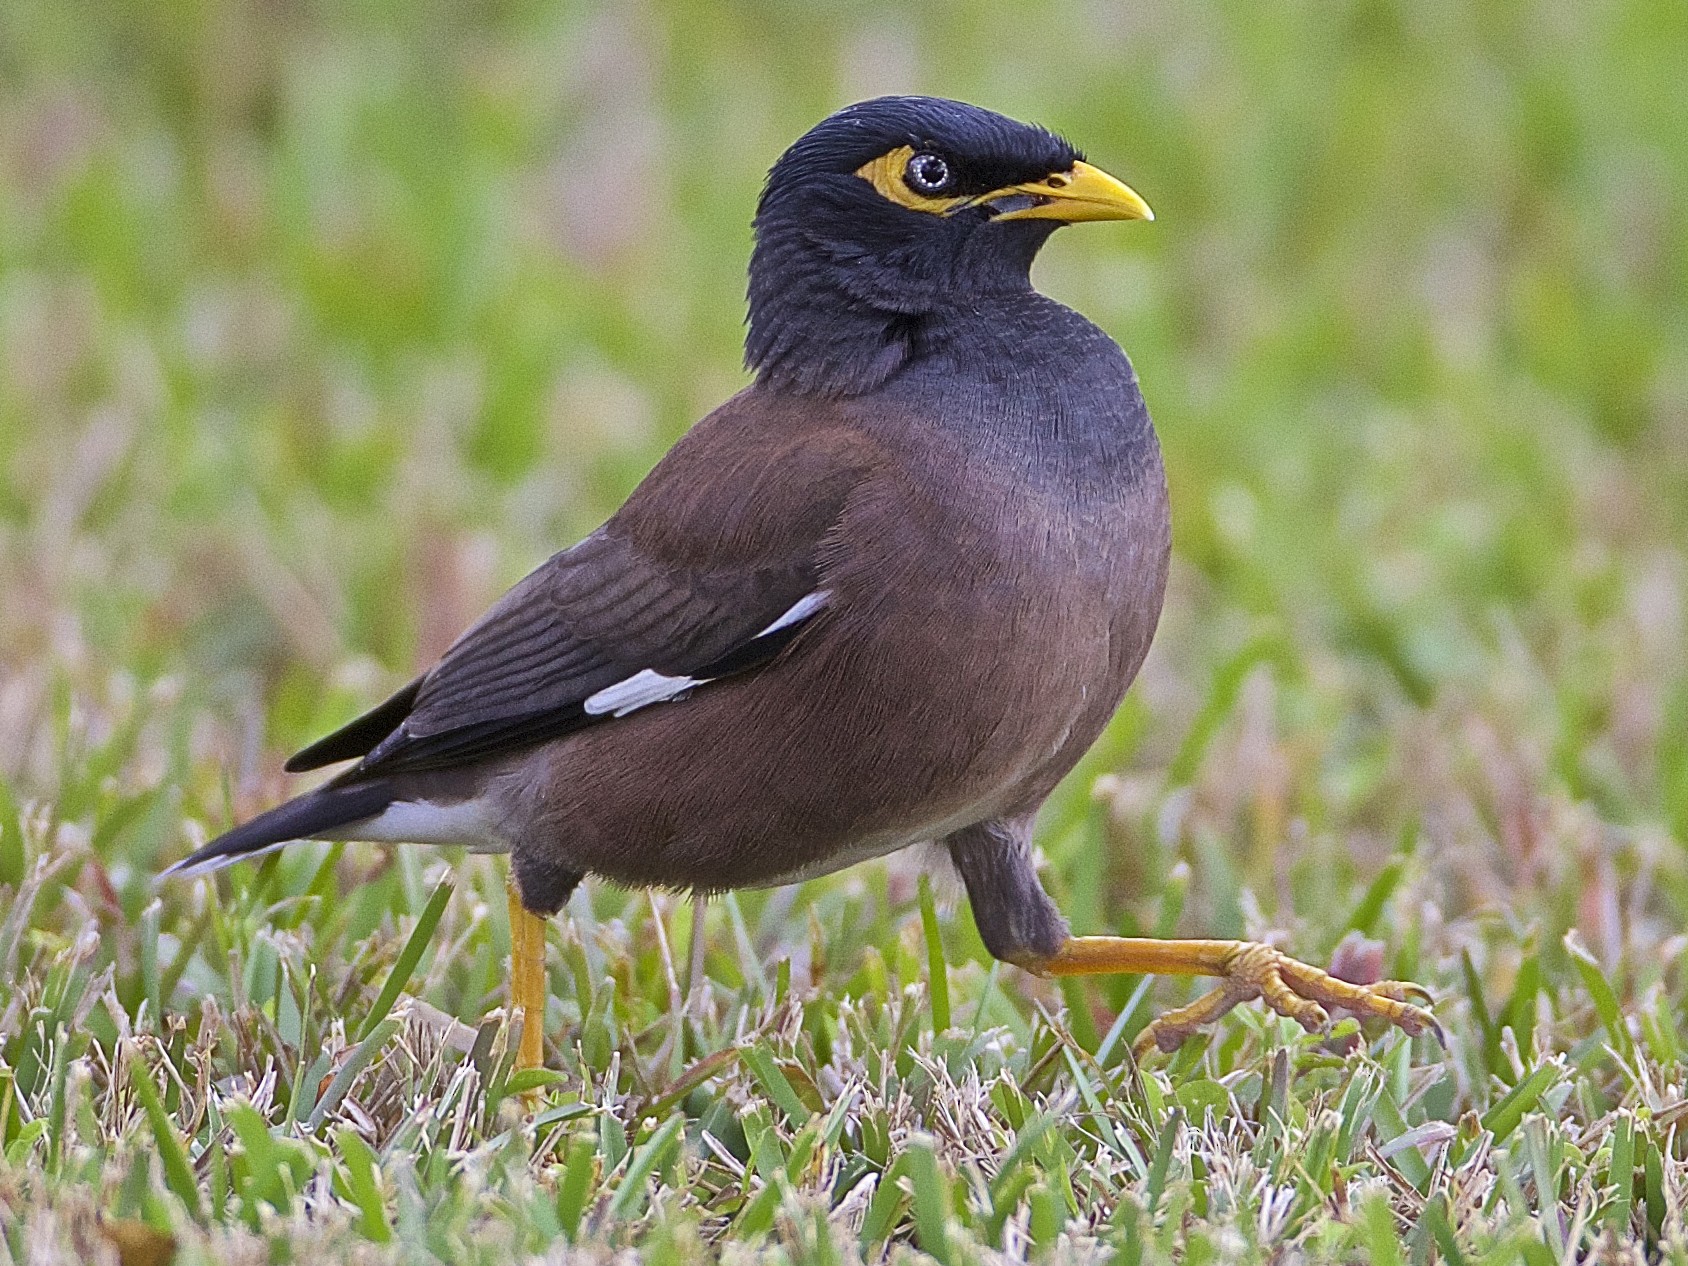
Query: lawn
{"points": [[321, 324]]}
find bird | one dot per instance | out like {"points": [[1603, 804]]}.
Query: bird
{"points": [[886, 595]]}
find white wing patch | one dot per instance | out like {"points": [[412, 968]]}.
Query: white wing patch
{"points": [[647, 686], [802, 609], [643, 687]]}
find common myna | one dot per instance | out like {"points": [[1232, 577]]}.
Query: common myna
{"points": [[887, 594]]}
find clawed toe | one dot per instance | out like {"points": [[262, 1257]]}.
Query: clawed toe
{"points": [[1295, 989]]}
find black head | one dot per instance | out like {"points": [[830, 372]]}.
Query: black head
{"points": [[891, 209]]}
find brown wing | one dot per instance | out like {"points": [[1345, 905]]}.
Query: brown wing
{"points": [[697, 577]]}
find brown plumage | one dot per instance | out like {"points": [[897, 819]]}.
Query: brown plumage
{"points": [[906, 707], [888, 594]]}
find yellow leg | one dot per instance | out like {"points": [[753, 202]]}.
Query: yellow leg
{"points": [[527, 978], [1248, 970]]}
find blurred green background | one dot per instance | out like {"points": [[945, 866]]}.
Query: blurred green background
{"points": [[320, 323]]}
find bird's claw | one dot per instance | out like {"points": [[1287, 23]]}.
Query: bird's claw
{"points": [[1295, 989]]}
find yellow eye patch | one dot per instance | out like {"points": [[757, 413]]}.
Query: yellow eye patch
{"points": [[1082, 192], [885, 174]]}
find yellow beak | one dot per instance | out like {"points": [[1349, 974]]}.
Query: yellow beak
{"points": [[1083, 193]]}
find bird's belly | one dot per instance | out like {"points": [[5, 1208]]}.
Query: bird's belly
{"points": [[881, 754], [889, 723], [841, 859], [877, 844]]}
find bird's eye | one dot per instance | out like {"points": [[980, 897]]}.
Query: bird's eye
{"points": [[927, 173]]}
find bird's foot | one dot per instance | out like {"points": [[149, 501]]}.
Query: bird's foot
{"points": [[1292, 988], [1248, 969]]}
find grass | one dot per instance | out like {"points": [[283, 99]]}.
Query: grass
{"points": [[320, 324]]}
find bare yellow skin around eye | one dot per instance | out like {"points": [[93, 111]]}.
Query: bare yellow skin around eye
{"points": [[1082, 192], [885, 174]]}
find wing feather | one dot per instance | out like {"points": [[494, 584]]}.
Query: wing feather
{"points": [[711, 568]]}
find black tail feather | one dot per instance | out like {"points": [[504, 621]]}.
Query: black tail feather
{"points": [[358, 737], [299, 819]]}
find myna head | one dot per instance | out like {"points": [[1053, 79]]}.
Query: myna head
{"points": [[894, 208]]}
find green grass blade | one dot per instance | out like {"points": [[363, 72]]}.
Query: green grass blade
{"points": [[363, 1185], [1620, 1176], [630, 1193], [937, 970], [931, 1200], [1504, 1117], [775, 1085], [883, 1209], [1369, 910], [575, 1188], [172, 1151], [364, 1052], [408, 958], [1605, 998]]}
